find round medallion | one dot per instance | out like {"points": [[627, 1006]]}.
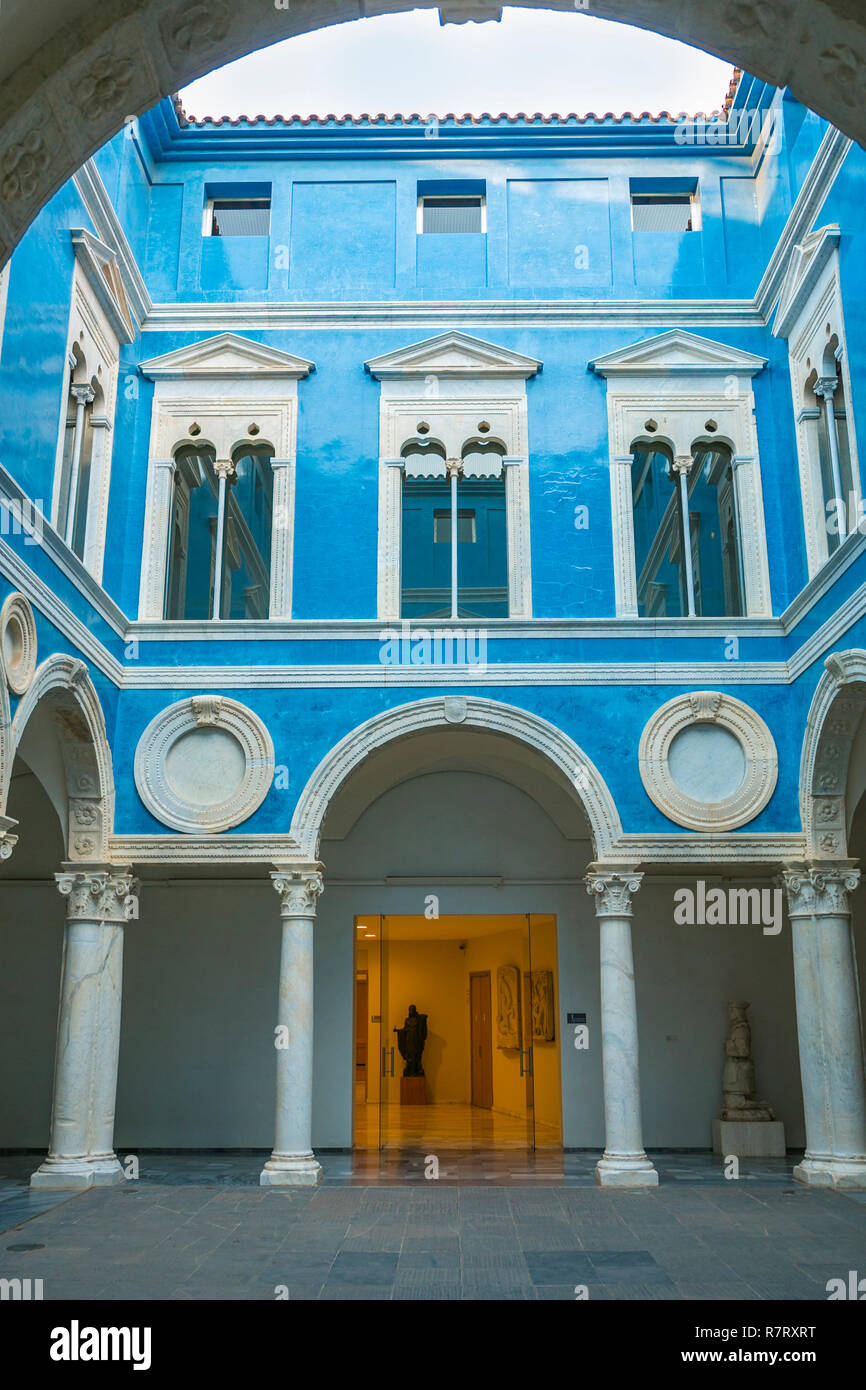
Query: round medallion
{"points": [[204, 764], [708, 761], [18, 642]]}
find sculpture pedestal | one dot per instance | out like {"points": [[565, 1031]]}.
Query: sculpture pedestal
{"points": [[413, 1090], [749, 1138]]}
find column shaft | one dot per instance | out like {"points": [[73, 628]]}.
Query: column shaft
{"points": [[81, 1148], [624, 1162], [829, 1026], [292, 1162]]}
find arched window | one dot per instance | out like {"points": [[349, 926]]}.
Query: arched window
{"points": [[220, 535], [454, 546], [77, 454], [686, 533]]}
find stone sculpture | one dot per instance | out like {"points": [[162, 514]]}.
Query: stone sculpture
{"points": [[410, 1041], [738, 1077]]}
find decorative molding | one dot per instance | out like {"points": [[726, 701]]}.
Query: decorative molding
{"points": [[835, 716], [484, 314], [105, 894], [452, 356], [670, 848], [612, 890], [100, 210], [807, 260], [744, 724], [819, 890], [64, 684], [590, 788], [216, 788], [227, 357], [99, 264], [299, 889], [678, 354], [17, 642]]}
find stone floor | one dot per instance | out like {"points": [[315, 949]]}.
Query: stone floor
{"points": [[196, 1226]]}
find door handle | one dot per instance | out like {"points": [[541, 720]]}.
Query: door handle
{"points": [[527, 1071], [392, 1061]]}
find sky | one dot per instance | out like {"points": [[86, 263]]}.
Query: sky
{"points": [[533, 60]]}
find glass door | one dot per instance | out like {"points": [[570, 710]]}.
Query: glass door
{"points": [[367, 1031]]}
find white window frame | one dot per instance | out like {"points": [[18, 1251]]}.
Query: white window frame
{"points": [[453, 382], [450, 198], [222, 385], [811, 298], [680, 382], [99, 322]]}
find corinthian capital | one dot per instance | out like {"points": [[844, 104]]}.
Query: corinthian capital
{"points": [[612, 890], [819, 890], [298, 890], [99, 894]]}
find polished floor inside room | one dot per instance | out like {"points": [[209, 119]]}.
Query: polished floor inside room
{"points": [[494, 1226]]}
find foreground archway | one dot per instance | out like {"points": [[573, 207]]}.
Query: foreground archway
{"points": [[69, 82]]}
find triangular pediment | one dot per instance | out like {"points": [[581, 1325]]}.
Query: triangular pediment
{"points": [[452, 354], [678, 353], [808, 259], [99, 264], [227, 356]]}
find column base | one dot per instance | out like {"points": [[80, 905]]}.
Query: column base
{"points": [[817, 1171], [291, 1170], [625, 1170], [77, 1174]]}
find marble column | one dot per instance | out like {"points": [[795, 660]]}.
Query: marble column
{"points": [[100, 898], [292, 1163], [624, 1163], [829, 1025]]}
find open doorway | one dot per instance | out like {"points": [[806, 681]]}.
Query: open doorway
{"points": [[456, 1038]]}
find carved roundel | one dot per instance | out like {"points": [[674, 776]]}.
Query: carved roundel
{"points": [[204, 764], [18, 642], [708, 761]]}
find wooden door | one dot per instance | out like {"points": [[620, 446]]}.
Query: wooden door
{"points": [[481, 1039]]}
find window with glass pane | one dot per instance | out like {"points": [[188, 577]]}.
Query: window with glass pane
{"points": [[443, 215], [661, 563], [244, 569], [431, 508], [246, 583], [240, 217]]}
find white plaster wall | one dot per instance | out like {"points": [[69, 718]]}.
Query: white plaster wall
{"points": [[200, 982]]}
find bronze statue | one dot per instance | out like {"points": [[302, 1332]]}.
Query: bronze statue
{"points": [[410, 1041]]}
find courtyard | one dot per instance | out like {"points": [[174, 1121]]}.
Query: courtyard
{"points": [[197, 1227]]}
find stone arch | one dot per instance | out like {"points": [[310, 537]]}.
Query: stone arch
{"points": [[556, 748], [59, 729], [69, 85], [835, 715]]}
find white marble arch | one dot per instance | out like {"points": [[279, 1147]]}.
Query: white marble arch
{"points": [[450, 711], [834, 718], [74, 765]]}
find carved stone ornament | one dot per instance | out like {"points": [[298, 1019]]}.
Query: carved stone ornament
{"points": [[204, 764], [507, 1006], [612, 891], [543, 1007], [107, 895], [819, 890], [18, 642], [299, 890], [708, 761]]}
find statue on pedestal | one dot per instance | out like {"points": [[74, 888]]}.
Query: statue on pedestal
{"points": [[738, 1077], [410, 1041]]}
